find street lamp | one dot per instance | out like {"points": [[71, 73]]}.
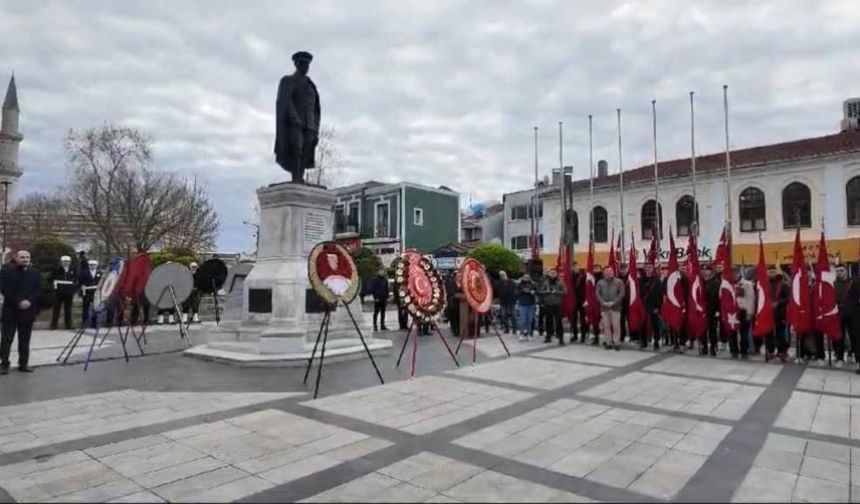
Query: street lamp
{"points": [[256, 236]]}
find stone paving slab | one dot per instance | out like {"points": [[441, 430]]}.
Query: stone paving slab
{"points": [[419, 406], [40, 423], [821, 414], [645, 452], [210, 462], [671, 393], [795, 469], [489, 347], [536, 373], [828, 382], [427, 477], [741, 371], [586, 354]]}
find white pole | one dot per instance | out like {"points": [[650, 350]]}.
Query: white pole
{"points": [[657, 214], [621, 184], [590, 182], [695, 229], [730, 230]]}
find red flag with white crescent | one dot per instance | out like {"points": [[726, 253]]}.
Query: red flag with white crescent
{"points": [[728, 307], [764, 323], [672, 308], [563, 266], [799, 313], [636, 315], [696, 320], [592, 309], [721, 256], [825, 307]]}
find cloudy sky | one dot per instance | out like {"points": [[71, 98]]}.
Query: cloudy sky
{"points": [[433, 92]]}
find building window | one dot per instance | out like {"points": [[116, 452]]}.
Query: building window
{"points": [[382, 220], [572, 223], [600, 224], [418, 216], [651, 220], [852, 199], [685, 215], [520, 242], [796, 206], [339, 219], [524, 212], [354, 219], [752, 210]]}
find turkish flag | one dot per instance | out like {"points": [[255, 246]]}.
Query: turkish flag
{"points": [[672, 309], [799, 307], [636, 315], [728, 307], [764, 323], [563, 266], [696, 320], [613, 258], [652, 251], [592, 309], [721, 256], [825, 306]]}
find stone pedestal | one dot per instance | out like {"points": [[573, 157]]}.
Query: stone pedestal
{"points": [[280, 319]]}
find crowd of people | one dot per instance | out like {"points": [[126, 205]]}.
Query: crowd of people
{"points": [[23, 294], [532, 305]]}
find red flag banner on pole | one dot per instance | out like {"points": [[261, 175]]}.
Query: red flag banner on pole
{"points": [[764, 323], [618, 252], [563, 266], [592, 309], [696, 321], [721, 256], [652, 251], [825, 307], [612, 262], [636, 314], [672, 308], [799, 313]]}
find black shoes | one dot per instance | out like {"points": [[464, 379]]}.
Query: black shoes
{"points": [[5, 370], [25, 369], [617, 348], [384, 328], [547, 340]]}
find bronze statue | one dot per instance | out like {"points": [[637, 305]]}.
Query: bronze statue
{"points": [[298, 119]]}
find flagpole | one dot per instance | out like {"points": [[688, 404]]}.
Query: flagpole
{"points": [[590, 182], [728, 175], [621, 182], [534, 199], [657, 213], [693, 165], [563, 192]]}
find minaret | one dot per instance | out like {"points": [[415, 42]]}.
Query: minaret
{"points": [[9, 136]]}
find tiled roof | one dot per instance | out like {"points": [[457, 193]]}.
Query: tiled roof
{"points": [[807, 148]]}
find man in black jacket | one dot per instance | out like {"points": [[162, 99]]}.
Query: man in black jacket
{"points": [[506, 292], [651, 290], [63, 280], [21, 287], [712, 280], [379, 291]]}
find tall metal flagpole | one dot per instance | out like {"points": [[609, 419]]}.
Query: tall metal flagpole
{"points": [[695, 229], [658, 217], [563, 235], [621, 186], [534, 200], [729, 229], [590, 184]]}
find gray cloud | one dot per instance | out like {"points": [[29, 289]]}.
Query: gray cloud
{"points": [[432, 92]]}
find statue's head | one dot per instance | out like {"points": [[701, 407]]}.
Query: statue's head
{"points": [[302, 60]]}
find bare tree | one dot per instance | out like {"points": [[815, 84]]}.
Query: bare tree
{"points": [[36, 216], [99, 159], [131, 205], [328, 159]]}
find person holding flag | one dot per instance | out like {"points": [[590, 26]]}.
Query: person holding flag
{"points": [[636, 315], [798, 312], [672, 309], [590, 303], [697, 322], [843, 285], [825, 304], [651, 290], [764, 309]]}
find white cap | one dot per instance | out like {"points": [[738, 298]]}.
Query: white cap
{"points": [[93, 262], [66, 258], [192, 265]]}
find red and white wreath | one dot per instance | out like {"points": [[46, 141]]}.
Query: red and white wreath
{"points": [[419, 286]]}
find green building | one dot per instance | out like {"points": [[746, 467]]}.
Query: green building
{"points": [[390, 218]]}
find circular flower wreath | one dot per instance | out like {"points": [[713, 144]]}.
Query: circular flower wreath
{"points": [[476, 285], [319, 270], [419, 286]]}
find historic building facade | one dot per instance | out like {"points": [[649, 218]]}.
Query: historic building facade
{"points": [[774, 190]]}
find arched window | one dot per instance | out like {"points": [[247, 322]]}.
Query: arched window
{"points": [[752, 210], [600, 219], [685, 215], [852, 199], [572, 225], [650, 219], [796, 206]]}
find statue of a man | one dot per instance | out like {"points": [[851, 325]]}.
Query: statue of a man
{"points": [[298, 119]]}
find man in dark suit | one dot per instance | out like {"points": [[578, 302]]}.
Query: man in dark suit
{"points": [[21, 287], [379, 290], [63, 281], [90, 278]]}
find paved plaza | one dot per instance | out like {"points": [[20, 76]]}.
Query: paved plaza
{"points": [[549, 424]]}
